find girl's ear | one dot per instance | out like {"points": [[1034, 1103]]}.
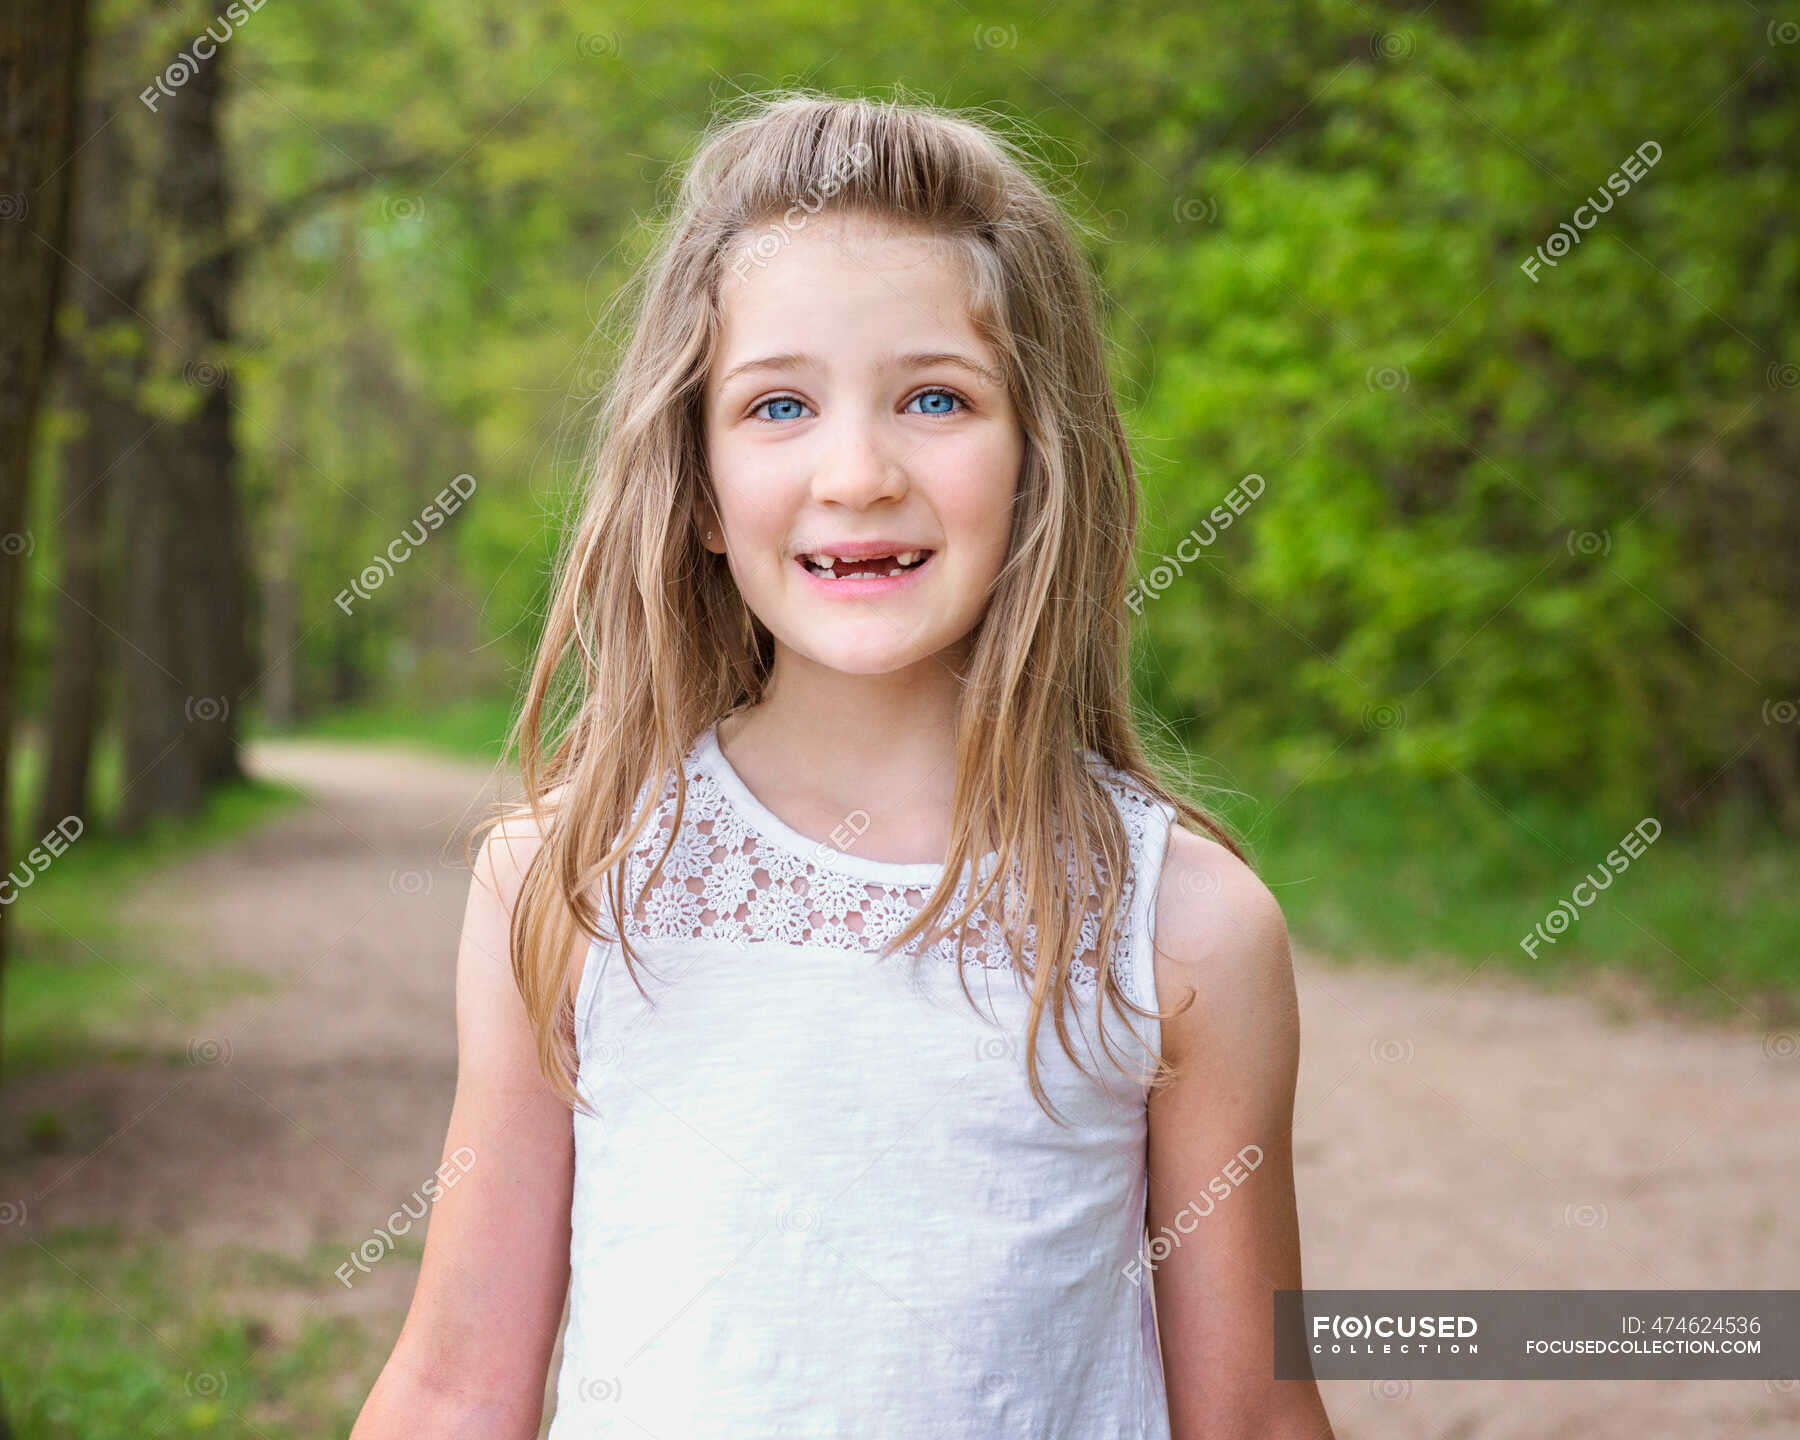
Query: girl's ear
{"points": [[706, 526]]}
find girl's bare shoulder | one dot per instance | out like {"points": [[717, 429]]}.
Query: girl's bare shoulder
{"points": [[1219, 934], [507, 852]]}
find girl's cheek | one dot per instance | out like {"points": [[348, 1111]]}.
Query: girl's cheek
{"points": [[759, 528]]}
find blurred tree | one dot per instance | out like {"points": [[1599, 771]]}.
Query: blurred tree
{"points": [[101, 366], [186, 668]]}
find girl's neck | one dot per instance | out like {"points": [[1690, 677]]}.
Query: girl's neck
{"points": [[823, 744]]}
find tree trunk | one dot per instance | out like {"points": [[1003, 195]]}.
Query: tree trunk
{"points": [[161, 773], [102, 378], [187, 669], [75, 654], [198, 186]]}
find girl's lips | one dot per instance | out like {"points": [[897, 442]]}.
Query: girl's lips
{"points": [[865, 585]]}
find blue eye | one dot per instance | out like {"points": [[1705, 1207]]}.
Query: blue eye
{"points": [[939, 394], [779, 400]]}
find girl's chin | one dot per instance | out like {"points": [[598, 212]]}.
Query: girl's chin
{"points": [[867, 655]]}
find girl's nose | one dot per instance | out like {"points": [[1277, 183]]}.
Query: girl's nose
{"points": [[859, 466]]}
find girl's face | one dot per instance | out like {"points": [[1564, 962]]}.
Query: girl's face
{"points": [[853, 411]]}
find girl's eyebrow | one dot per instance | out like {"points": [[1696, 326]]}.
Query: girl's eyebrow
{"points": [[801, 360]]}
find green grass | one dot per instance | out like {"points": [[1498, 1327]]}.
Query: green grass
{"points": [[106, 1338], [469, 728], [1400, 871]]}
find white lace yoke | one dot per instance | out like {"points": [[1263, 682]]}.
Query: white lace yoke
{"points": [[738, 874], [817, 1197]]}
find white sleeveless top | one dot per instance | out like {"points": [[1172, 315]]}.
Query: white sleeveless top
{"points": [[820, 1199]]}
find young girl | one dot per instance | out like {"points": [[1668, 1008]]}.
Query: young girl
{"points": [[851, 1003]]}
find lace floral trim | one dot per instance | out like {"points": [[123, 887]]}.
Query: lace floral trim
{"points": [[725, 881]]}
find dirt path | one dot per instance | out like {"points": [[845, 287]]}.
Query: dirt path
{"points": [[1452, 1131]]}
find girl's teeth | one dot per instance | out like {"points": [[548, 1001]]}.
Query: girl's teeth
{"points": [[823, 565]]}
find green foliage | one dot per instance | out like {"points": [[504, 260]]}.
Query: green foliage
{"points": [[1477, 552]]}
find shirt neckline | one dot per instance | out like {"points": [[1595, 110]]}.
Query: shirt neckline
{"points": [[822, 853]]}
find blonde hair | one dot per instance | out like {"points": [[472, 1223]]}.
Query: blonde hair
{"points": [[647, 640]]}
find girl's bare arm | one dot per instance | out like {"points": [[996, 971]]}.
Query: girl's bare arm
{"points": [[1228, 1208], [472, 1357]]}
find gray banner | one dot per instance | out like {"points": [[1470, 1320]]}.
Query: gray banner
{"points": [[1537, 1334]]}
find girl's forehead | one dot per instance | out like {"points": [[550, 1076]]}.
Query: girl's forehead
{"points": [[904, 292], [865, 263]]}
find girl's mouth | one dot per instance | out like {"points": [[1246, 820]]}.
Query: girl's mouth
{"points": [[873, 574], [832, 567]]}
